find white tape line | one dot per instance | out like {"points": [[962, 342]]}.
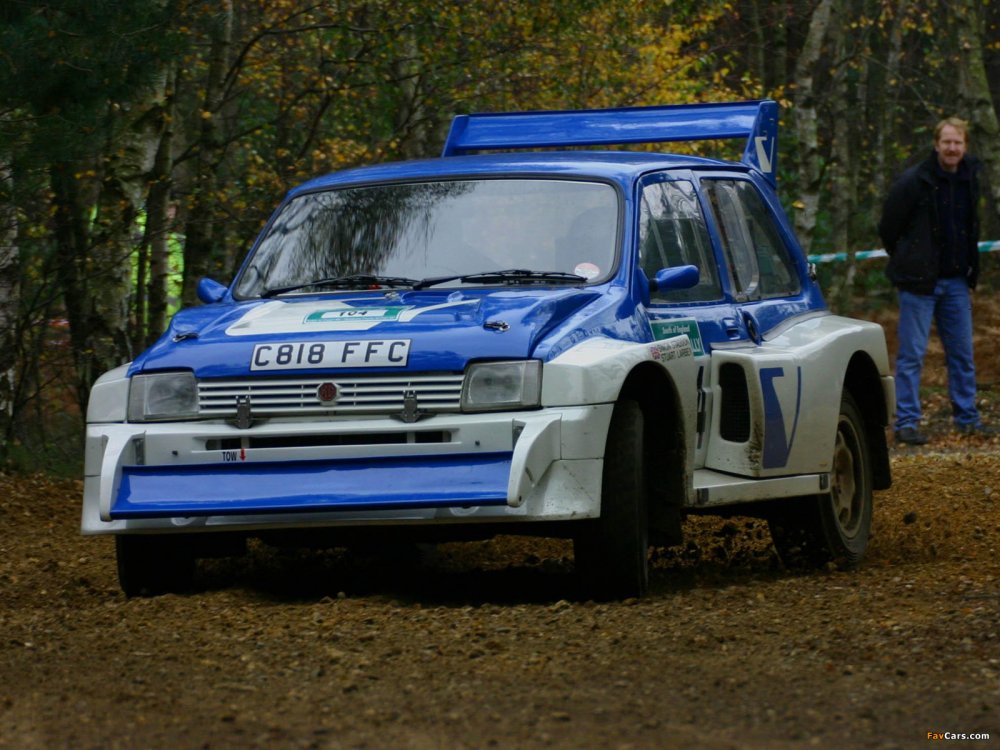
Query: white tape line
{"points": [[992, 246]]}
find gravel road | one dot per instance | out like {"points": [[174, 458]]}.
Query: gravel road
{"points": [[483, 645]]}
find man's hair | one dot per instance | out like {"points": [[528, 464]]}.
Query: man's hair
{"points": [[956, 122]]}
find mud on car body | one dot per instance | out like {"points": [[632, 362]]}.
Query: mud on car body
{"points": [[581, 343]]}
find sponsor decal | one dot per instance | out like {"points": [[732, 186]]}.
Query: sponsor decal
{"points": [[279, 316], [668, 329], [351, 314], [778, 389], [301, 355], [765, 154], [671, 349]]}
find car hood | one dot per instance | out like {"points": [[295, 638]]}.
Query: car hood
{"points": [[442, 332]]}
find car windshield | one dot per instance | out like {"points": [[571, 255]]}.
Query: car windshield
{"points": [[508, 231]]}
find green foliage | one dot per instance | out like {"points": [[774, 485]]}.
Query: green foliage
{"points": [[66, 63]]}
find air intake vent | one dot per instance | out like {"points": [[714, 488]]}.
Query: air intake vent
{"points": [[735, 412]]}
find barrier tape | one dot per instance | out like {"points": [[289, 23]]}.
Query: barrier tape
{"points": [[992, 246]]}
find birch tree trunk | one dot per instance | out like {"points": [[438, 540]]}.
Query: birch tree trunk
{"points": [[806, 122], [158, 224], [843, 170], [96, 202], [9, 298]]}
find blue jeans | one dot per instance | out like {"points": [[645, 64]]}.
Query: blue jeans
{"points": [[950, 307]]}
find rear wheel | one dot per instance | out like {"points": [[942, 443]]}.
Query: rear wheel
{"points": [[149, 565], [832, 527], [611, 552]]}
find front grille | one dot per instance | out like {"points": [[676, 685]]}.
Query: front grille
{"points": [[355, 395]]}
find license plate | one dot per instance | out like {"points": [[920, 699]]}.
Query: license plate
{"points": [[331, 354]]}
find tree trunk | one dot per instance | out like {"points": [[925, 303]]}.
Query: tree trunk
{"points": [[843, 174], [806, 123], [129, 159], [69, 222], [757, 54], [96, 203], [158, 225], [410, 117], [888, 107], [203, 230], [977, 101], [9, 299], [777, 48]]}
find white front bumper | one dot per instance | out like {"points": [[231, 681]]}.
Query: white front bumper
{"points": [[555, 466]]}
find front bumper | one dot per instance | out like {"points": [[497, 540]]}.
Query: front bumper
{"points": [[507, 467]]}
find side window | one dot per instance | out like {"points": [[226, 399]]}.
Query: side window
{"points": [[778, 277], [672, 233], [759, 263]]}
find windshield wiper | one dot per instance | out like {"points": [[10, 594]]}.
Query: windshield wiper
{"points": [[507, 276], [353, 280]]}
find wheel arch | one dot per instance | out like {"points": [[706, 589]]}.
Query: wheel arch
{"points": [[666, 446], [863, 382]]}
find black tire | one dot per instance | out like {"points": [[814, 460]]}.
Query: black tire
{"points": [[151, 565], [612, 552], [832, 527]]}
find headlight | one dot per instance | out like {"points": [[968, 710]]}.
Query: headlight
{"points": [[163, 396], [494, 386]]}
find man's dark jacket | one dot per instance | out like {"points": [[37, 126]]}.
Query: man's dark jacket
{"points": [[912, 232]]}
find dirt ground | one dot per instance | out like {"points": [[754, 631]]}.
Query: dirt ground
{"points": [[484, 645]]}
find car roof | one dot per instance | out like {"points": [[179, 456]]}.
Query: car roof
{"points": [[617, 166]]}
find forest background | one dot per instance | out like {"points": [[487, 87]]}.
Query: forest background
{"points": [[143, 143]]}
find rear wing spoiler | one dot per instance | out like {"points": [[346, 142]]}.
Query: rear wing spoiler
{"points": [[756, 121]]}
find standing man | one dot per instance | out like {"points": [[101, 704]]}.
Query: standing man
{"points": [[930, 227]]}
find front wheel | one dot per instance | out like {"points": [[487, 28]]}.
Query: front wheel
{"points": [[611, 553], [149, 565], [832, 527]]}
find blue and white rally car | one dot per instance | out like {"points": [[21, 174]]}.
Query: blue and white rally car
{"points": [[511, 338]]}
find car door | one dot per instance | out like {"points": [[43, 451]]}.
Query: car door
{"points": [[758, 386], [673, 231]]}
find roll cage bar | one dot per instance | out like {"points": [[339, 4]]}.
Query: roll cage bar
{"points": [[757, 121]]}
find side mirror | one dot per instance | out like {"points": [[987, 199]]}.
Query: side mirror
{"points": [[676, 277], [210, 290]]}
